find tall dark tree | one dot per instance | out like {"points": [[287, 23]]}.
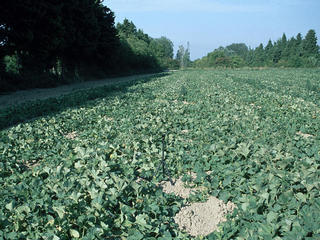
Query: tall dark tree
{"points": [[299, 39], [33, 30], [108, 42], [72, 32], [90, 35], [259, 56], [277, 51], [283, 40], [310, 47], [269, 52], [298, 45]]}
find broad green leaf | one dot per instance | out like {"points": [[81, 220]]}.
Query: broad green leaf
{"points": [[271, 216], [135, 235], [24, 209]]}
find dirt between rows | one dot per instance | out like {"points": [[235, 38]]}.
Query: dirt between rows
{"points": [[23, 96]]}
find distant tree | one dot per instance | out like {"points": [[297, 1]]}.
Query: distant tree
{"points": [[299, 38], [250, 57], [277, 51], [180, 54], [183, 56], [239, 49], [143, 36], [298, 45], [237, 61], [138, 46], [295, 52], [136, 52], [288, 50], [310, 47], [126, 28], [225, 57], [269, 47], [283, 40], [269, 52], [259, 56], [218, 58], [186, 56], [162, 49]]}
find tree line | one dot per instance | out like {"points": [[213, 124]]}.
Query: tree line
{"points": [[294, 52], [140, 51], [45, 43]]}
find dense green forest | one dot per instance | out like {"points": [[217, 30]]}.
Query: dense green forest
{"points": [[294, 52], [45, 43]]}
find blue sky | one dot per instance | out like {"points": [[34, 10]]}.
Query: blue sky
{"points": [[208, 24]]}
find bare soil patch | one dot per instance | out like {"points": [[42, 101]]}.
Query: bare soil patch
{"points": [[201, 219], [197, 219], [178, 187]]}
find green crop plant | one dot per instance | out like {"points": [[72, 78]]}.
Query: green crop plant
{"points": [[252, 136]]}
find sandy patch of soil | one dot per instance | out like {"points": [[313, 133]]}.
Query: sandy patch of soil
{"points": [[197, 219], [201, 219], [178, 188]]}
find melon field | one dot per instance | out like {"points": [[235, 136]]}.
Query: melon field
{"points": [[88, 165]]}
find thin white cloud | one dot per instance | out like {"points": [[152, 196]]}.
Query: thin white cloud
{"points": [[182, 6]]}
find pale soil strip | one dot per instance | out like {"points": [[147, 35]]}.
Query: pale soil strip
{"points": [[23, 96]]}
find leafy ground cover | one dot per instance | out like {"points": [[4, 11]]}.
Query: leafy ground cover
{"points": [[75, 173]]}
